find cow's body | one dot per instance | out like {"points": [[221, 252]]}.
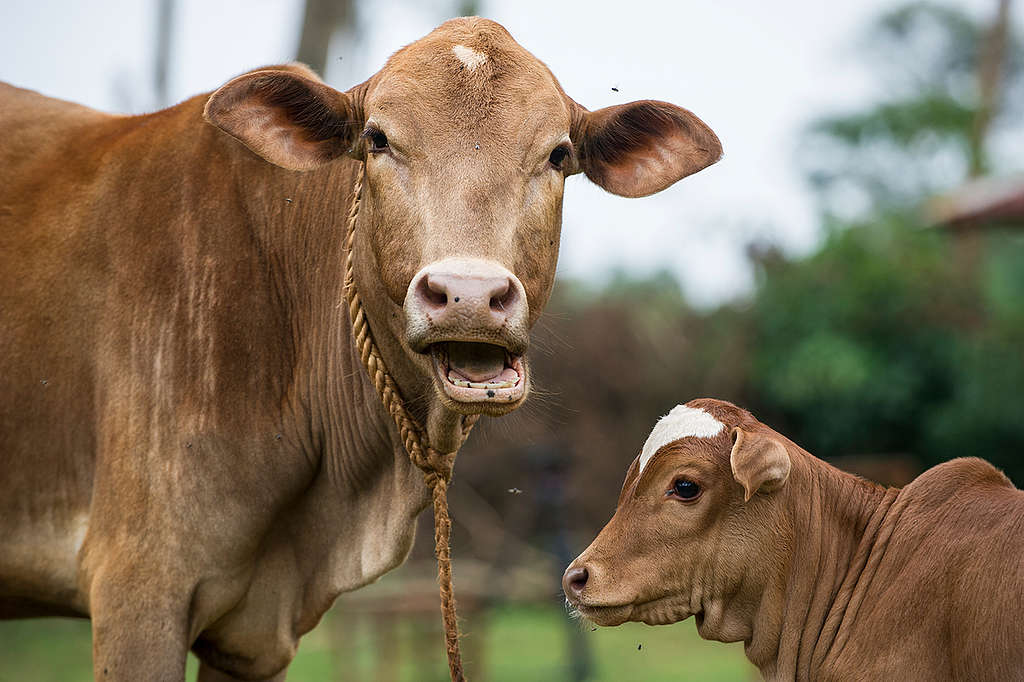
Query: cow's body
{"points": [[191, 452], [822, 575], [186, 407]]}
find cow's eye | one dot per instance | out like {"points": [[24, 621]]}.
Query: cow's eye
{"points": [[685, 489], [378, 140], [558, 156]]}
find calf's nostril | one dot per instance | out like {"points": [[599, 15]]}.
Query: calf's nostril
{"points": [[576, 579]]}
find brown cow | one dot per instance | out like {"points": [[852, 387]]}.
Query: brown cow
{"points": [[821, 574], [191, 451]]}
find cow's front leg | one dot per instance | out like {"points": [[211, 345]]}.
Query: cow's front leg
{"points": [[139, 626], [209, 674]]}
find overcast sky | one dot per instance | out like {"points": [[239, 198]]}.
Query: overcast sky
{"points": [[755, 71]]}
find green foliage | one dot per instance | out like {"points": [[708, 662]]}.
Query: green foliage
{"points": [[881, 342], [910, 123], [984, 415], [851, 342]]}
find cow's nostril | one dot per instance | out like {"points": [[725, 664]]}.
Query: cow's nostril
{"points": [[434, 292], [504, 300]]}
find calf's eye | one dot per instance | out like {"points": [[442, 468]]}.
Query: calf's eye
{"points": [[685, 489]]}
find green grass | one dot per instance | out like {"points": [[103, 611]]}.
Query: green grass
{"points": [[509, 643]]}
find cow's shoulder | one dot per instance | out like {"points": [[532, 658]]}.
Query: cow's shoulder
{"points": [[41, 138], [23, 104]]}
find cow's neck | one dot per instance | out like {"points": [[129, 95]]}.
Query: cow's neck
{"points": [[300, 227], [305, 228], [832, 522]]}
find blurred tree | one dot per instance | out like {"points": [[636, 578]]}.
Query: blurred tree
{"points": [[948, 81], [990, 69], [321, 20], [162, 54], [324, 19], [855, 345]]}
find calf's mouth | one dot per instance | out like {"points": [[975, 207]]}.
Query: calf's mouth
{"points": [[660, 611], [471, 372], [605, 616]]}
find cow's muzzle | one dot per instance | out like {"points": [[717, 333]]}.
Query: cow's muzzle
{"points": [[470, 315]]}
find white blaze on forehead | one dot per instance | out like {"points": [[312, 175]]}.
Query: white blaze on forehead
{"points": [[681, 422], [471, 58]]}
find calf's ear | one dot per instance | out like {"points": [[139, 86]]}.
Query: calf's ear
{"points": [[759, 462], [642, 147], [291, 120]]}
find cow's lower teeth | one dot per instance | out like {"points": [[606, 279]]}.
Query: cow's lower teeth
{"points": [[476, 384]]}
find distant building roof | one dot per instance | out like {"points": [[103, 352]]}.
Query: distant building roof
{"points": [[980, 201]]}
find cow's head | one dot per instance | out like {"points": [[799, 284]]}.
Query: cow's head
{"points": [[699, 529], [467, 140]]}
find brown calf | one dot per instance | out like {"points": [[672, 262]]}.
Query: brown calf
{"points": [[821, 574], [191, 452]]}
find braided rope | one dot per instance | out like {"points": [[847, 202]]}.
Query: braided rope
{"points": [[436, 466]]}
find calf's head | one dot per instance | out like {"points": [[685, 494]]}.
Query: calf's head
{"points": [[467, 140], [696, 526]]}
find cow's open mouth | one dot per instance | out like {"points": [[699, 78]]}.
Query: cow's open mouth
{"points": [[470, 372]]}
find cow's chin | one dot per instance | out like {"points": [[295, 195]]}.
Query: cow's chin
{"points": [[478, 378]]}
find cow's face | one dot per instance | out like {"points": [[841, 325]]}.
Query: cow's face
{"points": [[689, 537], [467, 140]]}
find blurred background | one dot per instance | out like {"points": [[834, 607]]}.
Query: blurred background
{"points": [[852, 272]]}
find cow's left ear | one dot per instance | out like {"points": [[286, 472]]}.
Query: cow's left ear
{"points": [[759, 461], [289, 118], [642, 147]]}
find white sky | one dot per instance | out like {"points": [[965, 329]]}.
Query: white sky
{"points": [[755, 71]]}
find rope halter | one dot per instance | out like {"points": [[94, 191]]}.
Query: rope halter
{"points": [[436, 466]]}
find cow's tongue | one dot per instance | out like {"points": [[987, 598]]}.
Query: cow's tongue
{"points": [[479, 362]]}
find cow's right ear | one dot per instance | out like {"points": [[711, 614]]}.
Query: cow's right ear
{"points": [[759, 461], [640, 148], [290, 120]]}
